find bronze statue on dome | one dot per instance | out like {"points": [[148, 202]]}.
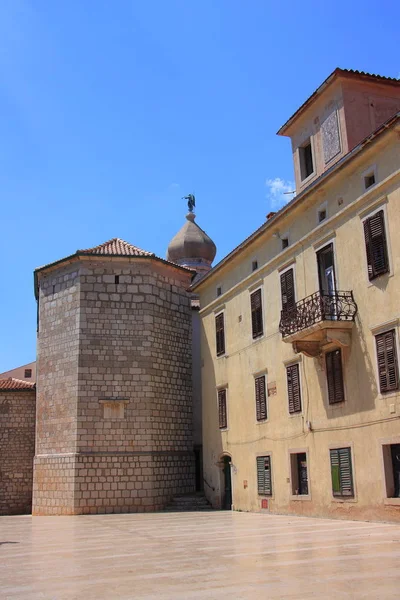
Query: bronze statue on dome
{"points": [[191, 201]]}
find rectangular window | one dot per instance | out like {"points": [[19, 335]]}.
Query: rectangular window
{"points": [[287, 290], [256, 314], [293, 388], [261, 398], [219, 290], [222, 414], [220, 334], [298, 463], [334, 376], [375, 245], [388, 371], [285, 243], [28, 373], [341, 472], [254, 265], [306, 160], [369, 180], [391, 459], [264, 479]]}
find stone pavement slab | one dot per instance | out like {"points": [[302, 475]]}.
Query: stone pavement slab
{"points": [[213, 555]]}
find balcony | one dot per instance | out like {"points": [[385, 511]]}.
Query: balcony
{"points": [[319, 321]]}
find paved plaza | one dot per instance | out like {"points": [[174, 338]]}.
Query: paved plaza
{"points": [[197, 555]]}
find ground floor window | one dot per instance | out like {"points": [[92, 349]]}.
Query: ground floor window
{"points": [[342, 473], [391, 459], [264, 479], [299, 474]]}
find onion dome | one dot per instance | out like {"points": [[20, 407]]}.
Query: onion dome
{"points": [[192, 247]]}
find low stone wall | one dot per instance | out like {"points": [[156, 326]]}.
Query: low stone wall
{"points": [[17, 449]]}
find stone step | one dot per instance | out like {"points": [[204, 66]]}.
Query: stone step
{"points": [[188, 503]]}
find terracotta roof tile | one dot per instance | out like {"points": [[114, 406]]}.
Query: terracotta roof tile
{"points": [[12, 384], [116, 247]]}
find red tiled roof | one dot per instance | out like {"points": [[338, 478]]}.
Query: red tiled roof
{"points": [[328, 80], [11, 384], [116, 247]]}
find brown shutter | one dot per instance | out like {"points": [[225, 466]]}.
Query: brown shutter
{"points": [[375, 245], [287, 290], [387, 361], [222, 416], [220, 334], [293, 386], [256, 313], [334, 375], [261, 398]]}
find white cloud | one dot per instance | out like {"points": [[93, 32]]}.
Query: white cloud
{"points": [[276, 192]]}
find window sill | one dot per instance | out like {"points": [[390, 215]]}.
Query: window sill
{"points": [[262, 422], [301, 497], [392, 501], [257, 338], [344, 500], [222, 356], [296, 414]]}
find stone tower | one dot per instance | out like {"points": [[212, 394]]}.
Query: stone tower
{"points": [[191, 247], [114, 383]]}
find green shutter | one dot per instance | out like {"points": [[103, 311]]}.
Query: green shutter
{"points": [[264, 479], [341, 472]]}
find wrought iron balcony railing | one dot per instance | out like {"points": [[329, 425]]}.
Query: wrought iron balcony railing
{"points": [[337, 306]]}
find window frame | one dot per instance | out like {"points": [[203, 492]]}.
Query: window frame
{"points": [[256, 377], [339, 497], [223, 351], [320, 208], [256, 336], [259, 456], [379, 334], [294, 452], [291, 267], [387, 466], [301, 147], [365, 217], [223, 388], [334, 402], [290, 365], [372, 170]]}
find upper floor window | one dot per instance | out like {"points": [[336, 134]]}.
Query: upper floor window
{"points": [[28, 373], [287, 290], [306, 160], [285, 242], [254, 265], [256, 314], [220, 334], [388, 370], [261, 398], [219, 290], [375, 245], [293, 388], [369, 178], [222, 409], [334, 376]]}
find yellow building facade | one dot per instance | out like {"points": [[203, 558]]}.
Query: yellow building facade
{"points": [[300, 324]]}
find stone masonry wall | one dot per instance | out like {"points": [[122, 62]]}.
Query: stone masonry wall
{"points": [[57, 388], [17, 449], [132, 392]]}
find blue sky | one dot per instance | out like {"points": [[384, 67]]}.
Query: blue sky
{"points": [[112, 111]]}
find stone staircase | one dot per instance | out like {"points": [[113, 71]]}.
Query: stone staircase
{"points": [[189, 503]]}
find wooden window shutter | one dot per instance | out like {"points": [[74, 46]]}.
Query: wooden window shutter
{"points": [[287, 290], [264, 479], [222, 414], [256, 313], [341, 472], [261, 398], [293, 387], [388, 371], [220, 334], [375, 245], [334, 376]]}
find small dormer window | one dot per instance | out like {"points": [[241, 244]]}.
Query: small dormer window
{"points": [[254, 265], [369, 180], [306, 160], [219, 290], [285, 242]]}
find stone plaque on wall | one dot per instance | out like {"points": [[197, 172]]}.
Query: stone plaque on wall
{"points": [[330, 137]]}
